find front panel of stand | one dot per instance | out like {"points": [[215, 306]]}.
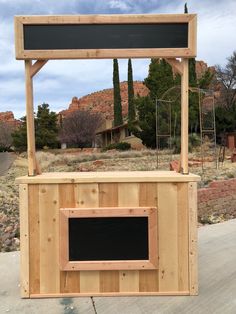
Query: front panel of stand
{"points": [[108, 238]]}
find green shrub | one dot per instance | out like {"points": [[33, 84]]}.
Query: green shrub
{"points": [[119, 146], [193, 141]]}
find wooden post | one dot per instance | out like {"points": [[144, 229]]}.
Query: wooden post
{"points": [[32, 168], [193, 252], [24, 240], [184, 118]]}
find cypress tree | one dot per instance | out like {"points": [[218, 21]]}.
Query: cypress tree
{"points": [[185, 8], [118, 120], [131, 108]]}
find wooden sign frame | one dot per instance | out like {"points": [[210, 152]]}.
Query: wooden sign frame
{"points": [[66, 213], [107, 20], [42, 56]]}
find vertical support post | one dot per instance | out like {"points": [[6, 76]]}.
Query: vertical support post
{"points": [[32, 167], [24, 240], [193, 252], [184, 117]]}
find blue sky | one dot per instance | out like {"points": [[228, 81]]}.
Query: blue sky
{"points": [[60, 80]]}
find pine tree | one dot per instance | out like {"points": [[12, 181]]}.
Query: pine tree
{"points": [[160, 79], [46, 127], [118, 119], [131, 108], [20, 136]]}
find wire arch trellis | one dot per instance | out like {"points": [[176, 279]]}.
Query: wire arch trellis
{"points": [[206, 119]]}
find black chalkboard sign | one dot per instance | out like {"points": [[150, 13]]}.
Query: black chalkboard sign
{"points": [[108, 239], [105, 36]]}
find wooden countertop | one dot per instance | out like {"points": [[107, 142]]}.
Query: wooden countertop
{"points": [[109, 176]]}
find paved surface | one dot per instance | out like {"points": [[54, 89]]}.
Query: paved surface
{"points": [[217, 276], [6, 160]]}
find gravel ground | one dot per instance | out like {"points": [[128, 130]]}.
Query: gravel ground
{"points": [[128, 161]]}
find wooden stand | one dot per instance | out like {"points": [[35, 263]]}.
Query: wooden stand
{"points": [[166, 201], [174, 196]]}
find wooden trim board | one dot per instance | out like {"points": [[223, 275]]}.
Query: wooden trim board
{"points": [[66, 213], [24, 241], [108, 177]]}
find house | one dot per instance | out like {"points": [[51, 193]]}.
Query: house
{"points": [[110, 134]]}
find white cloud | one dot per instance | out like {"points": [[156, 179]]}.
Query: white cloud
{"points": [[59, 81]]}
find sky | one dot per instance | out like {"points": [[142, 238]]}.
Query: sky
{"points": [[60, 80]]}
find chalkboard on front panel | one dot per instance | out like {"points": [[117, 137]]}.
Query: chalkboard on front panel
{"points": [[108, 239]]}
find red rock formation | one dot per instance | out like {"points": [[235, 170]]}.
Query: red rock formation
{"points": [[8, 117], [102, 101]]}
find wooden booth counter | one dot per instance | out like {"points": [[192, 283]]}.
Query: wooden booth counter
{"points": [[139, 236]]}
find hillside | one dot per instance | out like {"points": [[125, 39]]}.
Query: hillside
{"points": [[102, 101]]}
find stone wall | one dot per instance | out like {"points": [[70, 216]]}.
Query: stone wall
{"points": [[218, 201]]}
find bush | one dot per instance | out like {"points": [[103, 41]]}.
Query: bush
{"points": [[119, 146], [194, 141]]}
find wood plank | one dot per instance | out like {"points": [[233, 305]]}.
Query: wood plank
{"points": [[175, 64], [168, 237], [184, 117], [108, 197], [69, 280], [24, 240], [34, 238], [183, 232], [37, 66], [109, 177], [89, 282], [108, 294], [192, 34], [109, 281], [105, 53], [87, 195], [30, 120], [49, 238], [193, 252], [109, 19], [148, 279], [128, 195]]}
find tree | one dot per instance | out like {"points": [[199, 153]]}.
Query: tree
{"points": [[226, 103], [118, 119], [79, 128], [46, 127], [46, 130], [5, 135], [226, 76], [131, 108], [185, 8], [19, 136], [160, 79]]}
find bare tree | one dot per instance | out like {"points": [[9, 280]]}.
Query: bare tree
{"points": [[79, 128], [226, 76], [5, 135]]}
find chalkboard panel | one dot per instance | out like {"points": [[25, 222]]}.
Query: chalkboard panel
{"points": [[108, 239], [105, 36]]}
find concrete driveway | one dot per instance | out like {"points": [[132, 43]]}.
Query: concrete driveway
{"points": [[217, 291]]}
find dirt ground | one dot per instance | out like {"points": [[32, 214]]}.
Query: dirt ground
{"points": [[75, 160]]}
